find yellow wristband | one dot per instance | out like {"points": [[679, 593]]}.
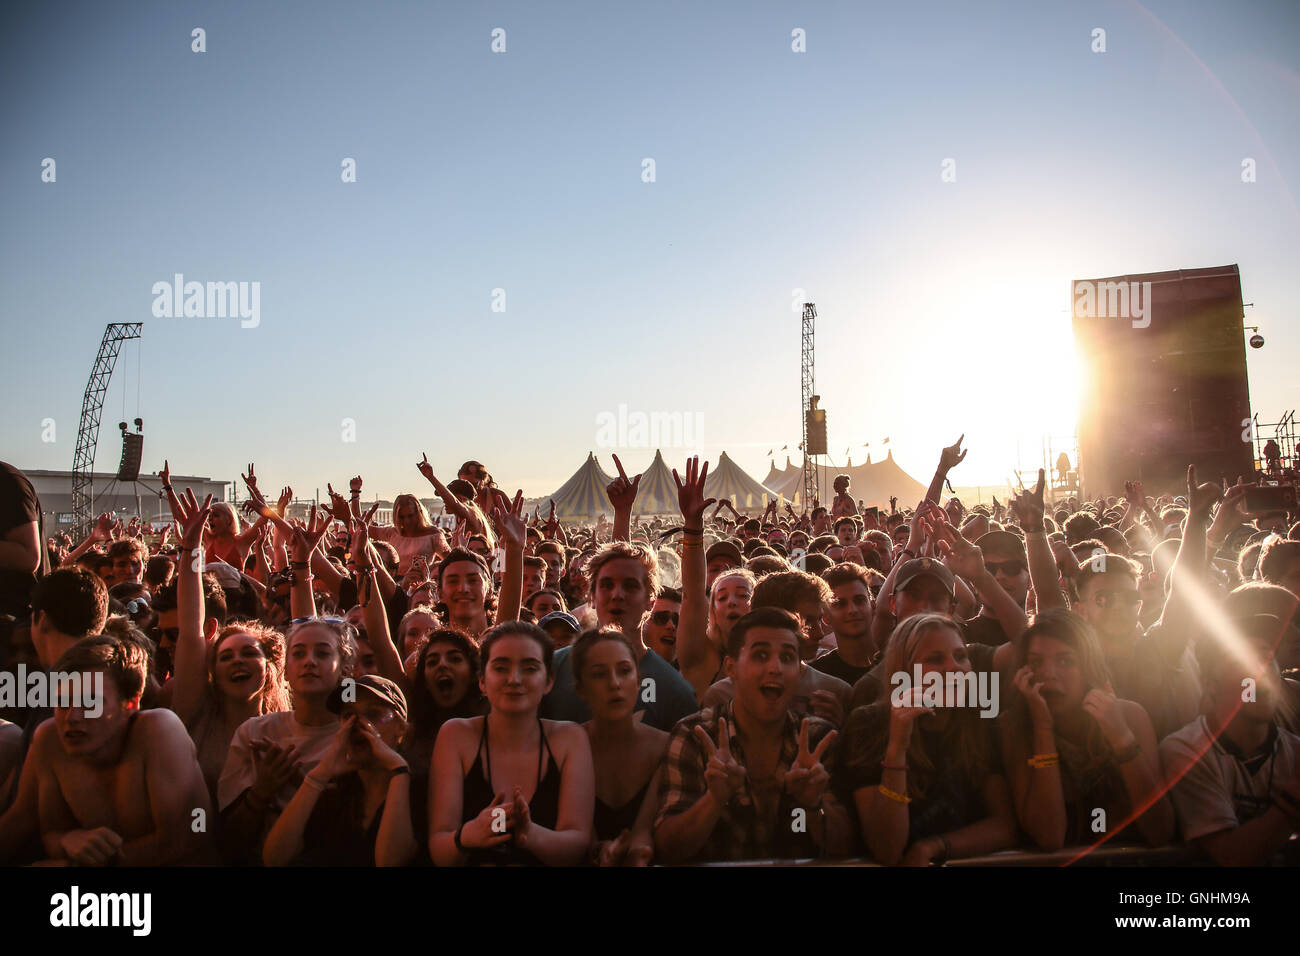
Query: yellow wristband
{"points": [[893, 794]]}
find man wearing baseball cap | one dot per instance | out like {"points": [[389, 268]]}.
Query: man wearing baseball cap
{"points": [[562, 626], [723, 555]]}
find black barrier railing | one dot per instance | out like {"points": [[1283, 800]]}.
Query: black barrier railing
{"points": [[1181, 856]]}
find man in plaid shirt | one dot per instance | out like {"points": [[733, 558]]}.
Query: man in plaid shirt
{"points": [[748, 780]]}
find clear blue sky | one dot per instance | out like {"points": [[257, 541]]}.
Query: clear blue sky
{"points": [[944, 306]]}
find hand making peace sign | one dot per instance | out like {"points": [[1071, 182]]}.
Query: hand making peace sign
{"points": [[807, 778], [723, 773]]}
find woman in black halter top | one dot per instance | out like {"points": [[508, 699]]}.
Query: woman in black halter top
{"points": [[626, 753], [510, 788]]}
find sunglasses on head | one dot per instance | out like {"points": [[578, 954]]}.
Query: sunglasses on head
{"points": [[663, 617]]}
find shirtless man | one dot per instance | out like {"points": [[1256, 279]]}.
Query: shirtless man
{"points": [[123, 787]]}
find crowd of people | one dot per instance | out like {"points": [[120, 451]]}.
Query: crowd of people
{"points": [[507, 689]]}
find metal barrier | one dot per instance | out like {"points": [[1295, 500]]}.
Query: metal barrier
{"points": [[1181, 856]]}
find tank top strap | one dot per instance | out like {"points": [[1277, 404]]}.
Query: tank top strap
{"points": [[544, 747]]}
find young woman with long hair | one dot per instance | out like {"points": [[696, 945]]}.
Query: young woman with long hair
{"points": [[509, 787], [218, 685], [1072, 748], [626, 753], [925, 780]]}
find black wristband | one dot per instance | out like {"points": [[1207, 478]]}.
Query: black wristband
{"points": [[460, 847]]}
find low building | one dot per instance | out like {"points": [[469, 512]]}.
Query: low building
{"points": [[122, 499]]}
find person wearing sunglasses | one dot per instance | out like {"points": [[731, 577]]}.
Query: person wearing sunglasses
{"points": [[660, 629], [1005, 559]]}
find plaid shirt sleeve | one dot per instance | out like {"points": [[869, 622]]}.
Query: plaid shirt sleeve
{"points": [[682, 784]]}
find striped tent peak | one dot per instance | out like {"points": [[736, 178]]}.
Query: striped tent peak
{"points": [[583, 495], [729, 480], [657, 492]]}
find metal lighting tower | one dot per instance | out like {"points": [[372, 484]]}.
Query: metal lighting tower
{"points": [[83, 461], [808, 384]]}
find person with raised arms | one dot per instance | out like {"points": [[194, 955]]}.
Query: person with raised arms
{"points": [[217, 685]]}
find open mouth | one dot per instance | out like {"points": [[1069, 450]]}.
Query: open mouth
{"points": [[73, 736], [772, 692], [238, 677]]}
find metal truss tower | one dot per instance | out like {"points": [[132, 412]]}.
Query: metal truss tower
{"points": [[92, 405], [808, 384]]}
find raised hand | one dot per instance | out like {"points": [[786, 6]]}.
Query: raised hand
{"points": [[354, 485], [103, 529], [621, 491], [807, 779], [360, 530], [508, 519], [338, 506], [1201, 498], [255, 496], [723, 773], [1028, 506], [305, 538], [426, 469], [191, 518], [286, 496], [690, 493], [166, 474], [952, 456], [961, 556], [1133, 494], [552, 525]]}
